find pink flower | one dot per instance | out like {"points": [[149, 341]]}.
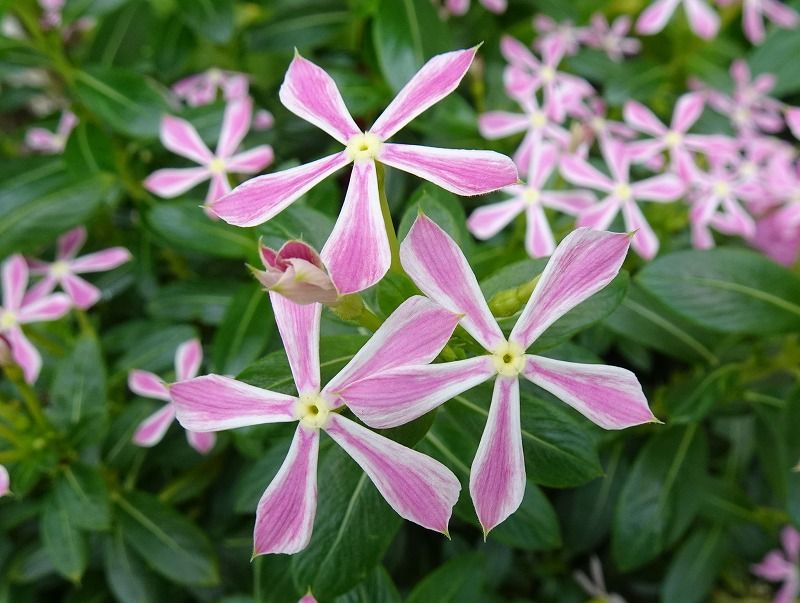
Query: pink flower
{"points": [[52, 143], [297, 273], [531, 198], [593, 114], [5, 482], [775, 239], [584, 262], [15, 312], [188, 358], [201, 89], [793, 121], [180, 137], [308, 598], [781, 566], [460, 7], [621, 194], [568, 35], [754, 12], [65, 269], [417, 487], [263, 120], [703, 21], [359, 232], [611, 39]]}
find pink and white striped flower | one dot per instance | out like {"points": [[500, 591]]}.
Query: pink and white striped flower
{"points": [[584, 262], [460, 7], [46, 142], [181, 137], [775, 240], [532, 198], [703, 20], [311, 93], [755, 11], [188, 358], [611, 38], [16, 312], [201, 88], [417, 487], [66, 267], [566, 32], [782, 566], [5, 482], [621, 194], [296, 272]]}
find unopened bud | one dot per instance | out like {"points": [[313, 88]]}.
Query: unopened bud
{"points": [[296, 272]]}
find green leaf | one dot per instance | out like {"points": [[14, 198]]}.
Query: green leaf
{"points": [[89, 150], [442, 207], [62, 540], [393, 289], [305, 26], [728, 290], [155, 351], [770, 57], [126, 574], [82, 493], [202, 300], [245, 330], [460, 580], [406, 33], [532, 527], [130, 103], [353, 528], [377, 588], [182, 224], [659, 499], [695, 566], [168, 542], [212, 19], [273, 580]]}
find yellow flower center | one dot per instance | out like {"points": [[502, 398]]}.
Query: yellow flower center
{"points": [[531, 196], [363, 147], [538, 119], [547, 73], [673, 139], [623, 191], [312, 411], [7, 320], [598, 124], [217, 166], [509, 359], [721, 189], [59, 269]]}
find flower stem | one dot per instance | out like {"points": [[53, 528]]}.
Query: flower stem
{"points": [[353, 309], [14, 374], [387, 220]]}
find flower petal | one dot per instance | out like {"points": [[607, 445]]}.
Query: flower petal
{"points": [[202, 442], [147, 385], [215, 403], [641, 118], [497, 476], [171, 182], [47, 308], [437, 78], [655, 16], [599, 215], [645, 241], [539, 241], [24, 354], [151, 431], [286, 511], [578, 171], [617, 158], [15, 280], [488, 220], [413, 334], [357, 252], [687, 111], [417, 487], [180, 137], [251, 161], [188, 358], [257, 200], [665, 187], [609, 396], [217, 189], [583, 263], [44, 287], [107, 259], [5, 481], [82, 293], [400, 395], [774, 567], [235, 125], [458, 171], [438, 267], [703, 20], [310, 93], [499, 124], [70, 243], [299, 329]]}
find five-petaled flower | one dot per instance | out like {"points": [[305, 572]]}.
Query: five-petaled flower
{"points": [[357, 253], [201, 88], [584, 262], [64, 270], [180, 137], [782, 566], [17, 311], [188, 358], [418, 487]]}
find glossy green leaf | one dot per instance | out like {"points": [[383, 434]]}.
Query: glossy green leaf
{"points": [[460, 580], [245, 330], [211, 19], [155, 351], [126, 573], [376, 588], [65, 545], [201, 300], [82, 494], [695, 567]]}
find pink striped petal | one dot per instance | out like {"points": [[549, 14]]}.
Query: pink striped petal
{"points": [[417, 487], [655, 16], [753, 23], [703, 20], [645, 241], [171, 182], [357, 252], [539, 240], [5, 481], [516, 52], [437, 78], [151, 431], [235, 125], [578, 171], [617, 158], [438, 267], [609, 396], [82, 293], [202, 442], [44, 287], [583, 263], [793, 121], [641, 118], [487, 221], [568, 202], [647, 152], [286, 511], [70, 243], [180, 137], [544, 160], [400, 395], [47, 308], [414, 334], [215, 403], [310, 93], [15, 280], [774, 567], [24, 354], [251, 161], [299, 329], [666, 187], [458, 171], [259, 199], [600, 215], [780, 14], [497, 476], [687, 111], [188, 358], [790, 539], [147, 385], [217, 189], [499, 124], [107, 259], [495, 6], [790, 590]]}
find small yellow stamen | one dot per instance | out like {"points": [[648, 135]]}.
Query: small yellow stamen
{"points": [[721, 188], [7, 320], [509, 359], [363, 147], [217, 166], [623, 191], [312, 411], [547, 73], [538, 119], [673, 139], [531, 196], [59, 269]]}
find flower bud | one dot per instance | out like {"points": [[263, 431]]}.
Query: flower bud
{"points": [[296, 272]]}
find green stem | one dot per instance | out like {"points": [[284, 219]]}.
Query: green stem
{"points": [[14, 374], [353, 309], [387, 220], [9, 456]]}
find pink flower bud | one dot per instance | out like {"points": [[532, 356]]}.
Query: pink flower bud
{"points": [[296, 272]]}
